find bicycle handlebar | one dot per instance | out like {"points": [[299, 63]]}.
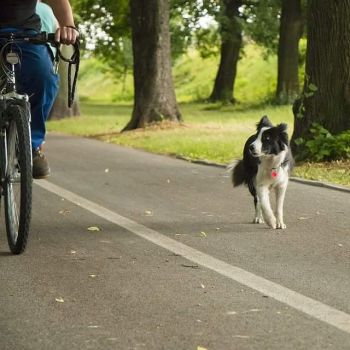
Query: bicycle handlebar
{"points": [[49, 38], [38, 38]]}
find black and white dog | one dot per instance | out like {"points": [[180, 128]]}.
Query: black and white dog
{"points": [[266, 164]]}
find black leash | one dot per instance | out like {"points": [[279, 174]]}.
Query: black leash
{"points": [[73, 60]]}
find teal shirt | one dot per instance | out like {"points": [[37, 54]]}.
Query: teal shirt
{"points": [[49, 22]]}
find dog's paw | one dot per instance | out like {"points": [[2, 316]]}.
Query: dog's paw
{"points": [[272, 223], [258, 220], [281, 225]]}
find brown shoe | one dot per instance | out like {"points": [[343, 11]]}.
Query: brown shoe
{"points": [[41, 169]]}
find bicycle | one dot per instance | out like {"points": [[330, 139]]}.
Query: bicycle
{"points": [[15, 137]]}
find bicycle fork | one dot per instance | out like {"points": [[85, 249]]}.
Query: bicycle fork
{"points": [[3, 159]]}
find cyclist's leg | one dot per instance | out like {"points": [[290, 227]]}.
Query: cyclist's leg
{"points": [[38, 80]]}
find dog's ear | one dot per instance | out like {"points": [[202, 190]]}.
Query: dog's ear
{"points": [[264, 122], [282, 131], [282, 127]]}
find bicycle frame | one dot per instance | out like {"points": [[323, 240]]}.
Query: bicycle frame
{"points": [[16, 163], [8, 96]]}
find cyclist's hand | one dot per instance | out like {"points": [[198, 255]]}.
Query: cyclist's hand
{"points": [[66, 35]]}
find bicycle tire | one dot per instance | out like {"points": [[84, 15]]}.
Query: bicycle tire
{"points": [[18, 179]]}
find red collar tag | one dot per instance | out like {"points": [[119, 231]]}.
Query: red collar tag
{"points": [[274, 173]]}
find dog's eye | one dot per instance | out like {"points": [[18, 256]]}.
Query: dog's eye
{"points": [[266, 138]]}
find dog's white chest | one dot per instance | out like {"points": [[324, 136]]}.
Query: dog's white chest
{"points": [[271, 176]]}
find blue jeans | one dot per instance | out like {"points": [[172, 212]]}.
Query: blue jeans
{"points": [[36, 77]]}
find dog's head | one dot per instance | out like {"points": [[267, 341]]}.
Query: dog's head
{"points": [[270, 140]]}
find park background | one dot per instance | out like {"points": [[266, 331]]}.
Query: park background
{"points": [[267, 77]]}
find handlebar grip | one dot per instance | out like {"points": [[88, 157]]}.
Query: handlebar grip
{"points": [[50, 38]]}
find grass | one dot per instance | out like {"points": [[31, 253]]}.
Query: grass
{"points": [[209, 132], [337, 172], [193, 79], [97, 118]]}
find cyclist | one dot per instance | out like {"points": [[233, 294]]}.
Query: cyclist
{"points": [[36, 76]]}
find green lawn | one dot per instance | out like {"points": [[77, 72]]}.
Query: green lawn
{"points": [[193, 79], [208, 132]]}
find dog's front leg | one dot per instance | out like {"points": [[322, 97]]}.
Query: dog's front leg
{"points": [[263, 194], [258, 219], [280, 194]]}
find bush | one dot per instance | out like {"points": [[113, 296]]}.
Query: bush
{"points": [[325, 146]]}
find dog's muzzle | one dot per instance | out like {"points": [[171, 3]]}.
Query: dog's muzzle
{"points": [[253, 151]]}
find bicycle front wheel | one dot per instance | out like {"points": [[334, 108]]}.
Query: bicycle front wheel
{"points": [[18, 180]]}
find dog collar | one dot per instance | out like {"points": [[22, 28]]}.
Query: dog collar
{"points": [[274, 171]]}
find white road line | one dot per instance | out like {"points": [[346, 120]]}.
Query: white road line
{"points": [[314, 308]]}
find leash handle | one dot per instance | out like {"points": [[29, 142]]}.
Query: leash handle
{"points": [[73, 60]]}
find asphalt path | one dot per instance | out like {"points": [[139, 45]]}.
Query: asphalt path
{"points": [[130, 250]]}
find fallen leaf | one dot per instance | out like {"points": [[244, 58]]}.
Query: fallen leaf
{"points": [[201, 348], [340, 245], [92, 276], [106, 170], [191, 266], [93, 228], [253, 310], [203, 234], [168, 181], [73, 251], [202, 285], [148, 213], [231, 313], [303, 218], [241, 336], [64, 212], [59, 300]]}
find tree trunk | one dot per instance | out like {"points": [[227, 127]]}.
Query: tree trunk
{"points": [[291, 29], [60, 108], [326, 94], [154, 98], [231, 42]]}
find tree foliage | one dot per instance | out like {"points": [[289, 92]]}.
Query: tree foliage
{"points": [[262, 21], [106, 31]]}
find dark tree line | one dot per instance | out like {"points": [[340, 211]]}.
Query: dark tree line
{"points": [[230, 17], [275, 24]]}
